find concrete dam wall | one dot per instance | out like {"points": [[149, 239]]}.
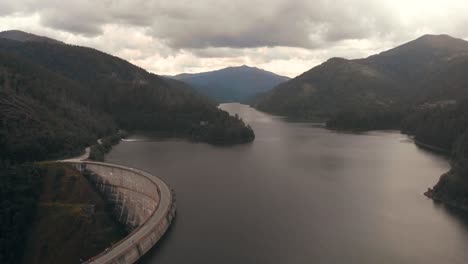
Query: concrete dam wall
{"points": [[142, 202]]}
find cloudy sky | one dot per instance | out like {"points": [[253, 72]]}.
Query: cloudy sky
{"points": [[284, 36]]}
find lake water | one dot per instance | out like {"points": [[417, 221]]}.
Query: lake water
{"points": [[301, 194]]}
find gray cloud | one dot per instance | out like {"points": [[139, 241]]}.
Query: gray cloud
{"points": [[6, 8], [271, 23], [76, 23], [289, 36], [221, 23]]}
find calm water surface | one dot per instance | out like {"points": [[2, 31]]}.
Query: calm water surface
{"points": [[301, 194]]}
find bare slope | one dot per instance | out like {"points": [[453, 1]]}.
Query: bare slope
{"points": [[72, 220]]}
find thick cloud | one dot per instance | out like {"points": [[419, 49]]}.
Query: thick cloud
{"points": [[169, 36], [218, 23]]}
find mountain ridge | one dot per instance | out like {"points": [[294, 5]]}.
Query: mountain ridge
{"points": [[235, 83], [393, 75], [79, 94], [22, 36]]}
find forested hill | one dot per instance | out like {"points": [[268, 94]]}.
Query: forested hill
{"points": [[41, 114], [406, 75], [444, 126], [57, 98], [233, 84], [420, 87]]}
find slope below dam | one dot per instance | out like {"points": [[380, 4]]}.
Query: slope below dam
{"points": [[141, 201]]}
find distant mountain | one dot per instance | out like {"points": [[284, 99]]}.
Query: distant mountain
{"points": [[57, 98], [24, 36], [411, 72], [232, 84]]}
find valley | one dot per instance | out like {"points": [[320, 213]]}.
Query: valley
{"points": [[331, 165]]}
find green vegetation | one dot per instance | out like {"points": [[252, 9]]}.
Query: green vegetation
{"points": [[57, 99], [452, 188], [445, 126], [224, 131], [19, 192], [369, 118], [98, 151], [438, 124], [38, 120], [96, 93], [428, 69], [333, 86]]}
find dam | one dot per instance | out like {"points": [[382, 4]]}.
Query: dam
{"points": [[142, 202]]}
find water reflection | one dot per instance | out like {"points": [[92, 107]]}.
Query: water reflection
{"points": [[301, 194]]}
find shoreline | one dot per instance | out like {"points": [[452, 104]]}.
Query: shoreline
{"points": [[445, 202], [430, 147]]}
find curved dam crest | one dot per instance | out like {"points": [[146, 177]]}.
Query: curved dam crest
{"points": [[141, 201]]}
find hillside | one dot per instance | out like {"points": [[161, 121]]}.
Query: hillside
{"points": [[232, 84], [41, 114], [58, 98], [420, 87], [19, 192], [386, 80], [69, 203], [335, 84], [444, 126]]}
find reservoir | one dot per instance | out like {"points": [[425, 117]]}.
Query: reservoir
{"points": [[300, 194]]}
